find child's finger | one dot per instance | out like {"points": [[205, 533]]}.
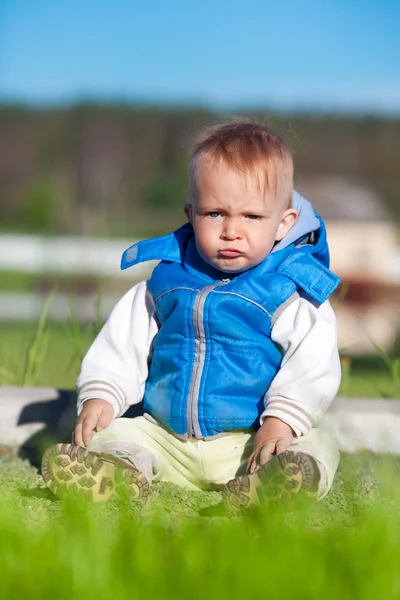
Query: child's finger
{"points": [[251, 464], [282, 446], [104, 421], [88, 426], [266, 452], [78, 435]]}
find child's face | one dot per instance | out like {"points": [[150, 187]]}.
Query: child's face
{"points": [[235, 226]]}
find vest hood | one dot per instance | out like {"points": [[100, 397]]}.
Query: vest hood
{"points": [[306, 223]]}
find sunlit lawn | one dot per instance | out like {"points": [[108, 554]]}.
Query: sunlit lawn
{"points": [[346, 547]]}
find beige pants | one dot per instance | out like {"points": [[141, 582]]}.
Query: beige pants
{"points": [[198, 464]]}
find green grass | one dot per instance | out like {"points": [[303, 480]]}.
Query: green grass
{"points": [[59, 366], [346, 546], [371, 376], [375, 384], [15, 281]]}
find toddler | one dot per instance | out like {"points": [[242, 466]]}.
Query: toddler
{"points": [[231, 344]]}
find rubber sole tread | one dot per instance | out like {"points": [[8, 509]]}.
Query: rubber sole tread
{"points": [[276, 483], [69, 468]]}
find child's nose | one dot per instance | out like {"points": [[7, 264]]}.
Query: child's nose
{"points": [[231, 230]]}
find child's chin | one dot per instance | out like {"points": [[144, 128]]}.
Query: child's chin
{"points": [[229, 265], [234, 266]]}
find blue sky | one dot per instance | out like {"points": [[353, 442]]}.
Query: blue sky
{"points": [[333, 55]]}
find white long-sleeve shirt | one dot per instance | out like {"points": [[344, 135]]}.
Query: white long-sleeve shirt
{"points": [[116, 365]]}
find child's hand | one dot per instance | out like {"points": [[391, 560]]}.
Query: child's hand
{"points": [[96, 415], [273, 437]]}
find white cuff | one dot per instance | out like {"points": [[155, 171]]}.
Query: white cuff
{"points": [[104, 390], [295, 416]]}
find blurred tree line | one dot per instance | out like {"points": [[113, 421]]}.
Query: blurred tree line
{"points": [[122, 170]]}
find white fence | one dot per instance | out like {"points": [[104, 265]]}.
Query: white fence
{"points": [[27, 307], [64, 255]]}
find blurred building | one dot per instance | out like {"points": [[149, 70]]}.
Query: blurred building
{"points": [[364, 249]]}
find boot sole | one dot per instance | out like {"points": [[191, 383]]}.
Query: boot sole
{"points": [[275, 483], [67, 468]]}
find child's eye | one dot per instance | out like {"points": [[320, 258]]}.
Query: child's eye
{"points": [[213, 214], [254, 217]]}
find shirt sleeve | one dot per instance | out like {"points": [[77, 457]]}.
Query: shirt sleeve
{"points": [[115, 367], [310, 372]]}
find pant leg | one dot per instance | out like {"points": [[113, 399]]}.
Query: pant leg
{"points": [[226, 457], [123, 438], [320, 445], [199, 464], [156, 452]]}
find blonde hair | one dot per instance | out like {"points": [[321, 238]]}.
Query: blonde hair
{"points": [[250, 148]]}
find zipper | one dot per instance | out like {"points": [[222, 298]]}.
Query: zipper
{"points": [[193, 427]]}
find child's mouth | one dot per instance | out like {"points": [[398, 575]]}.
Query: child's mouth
{"points": [[230, 253]]}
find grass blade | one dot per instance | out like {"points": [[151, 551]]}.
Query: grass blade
{"points": [[36, 350]]}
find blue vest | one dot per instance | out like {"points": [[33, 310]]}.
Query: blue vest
{"points": [[213, 358]]}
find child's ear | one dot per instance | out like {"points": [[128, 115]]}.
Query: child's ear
{"points": [[188, 211], [288, 219]]}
